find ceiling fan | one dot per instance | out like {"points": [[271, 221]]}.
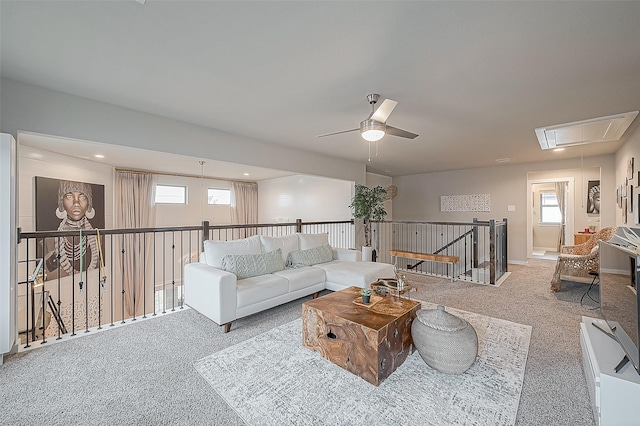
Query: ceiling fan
{"points": [[374, 127]]}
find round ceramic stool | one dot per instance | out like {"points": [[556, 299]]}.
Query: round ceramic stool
{"points": [[444, 341]]}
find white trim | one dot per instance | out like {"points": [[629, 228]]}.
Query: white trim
{"points": [[616, 271], [570, 213]]}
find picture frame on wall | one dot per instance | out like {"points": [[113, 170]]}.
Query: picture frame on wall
{"points": [[637, 212], [624, 211], [630, 168], [630, 198], [68, 205]]}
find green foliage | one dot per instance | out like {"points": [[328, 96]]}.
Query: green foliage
{"points": [[365, 292], [368, 203]]}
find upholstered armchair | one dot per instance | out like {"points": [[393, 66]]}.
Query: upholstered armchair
{"points": [[575, 262]]}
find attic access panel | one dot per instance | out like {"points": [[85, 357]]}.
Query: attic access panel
{"points": [[603, 129]]}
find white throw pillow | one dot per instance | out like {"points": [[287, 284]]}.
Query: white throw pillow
{"points": [[287, 244], [215, 250], [252, 265], [308, 241]]}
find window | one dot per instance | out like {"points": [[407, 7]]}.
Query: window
{"points": [[219, 196], [170, 194], [549, 210]]}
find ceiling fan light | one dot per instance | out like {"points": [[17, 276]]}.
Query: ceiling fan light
{"points": [[372, 130]]}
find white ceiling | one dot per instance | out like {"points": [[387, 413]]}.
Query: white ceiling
{"points": [[473, 79]]}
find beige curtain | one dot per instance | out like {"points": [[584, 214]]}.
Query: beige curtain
{"points": [[561, 188], [244, 207], [135, 208]]}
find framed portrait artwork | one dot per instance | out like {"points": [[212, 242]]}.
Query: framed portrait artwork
{"points": [[66, 205], [630, 168], [593, 197]]}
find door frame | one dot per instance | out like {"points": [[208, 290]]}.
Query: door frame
{"points": [[569, 214]]}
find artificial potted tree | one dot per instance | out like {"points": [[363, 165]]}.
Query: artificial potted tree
{"points": [[368, 204]]}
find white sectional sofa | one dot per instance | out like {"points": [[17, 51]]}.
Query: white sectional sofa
{"points": [[238, 278]]}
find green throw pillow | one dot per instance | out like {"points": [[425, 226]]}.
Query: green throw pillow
{"points": [[252, 265], [312, 256]]}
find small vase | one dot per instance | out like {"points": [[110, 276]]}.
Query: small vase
{"points": [[366, 299]]}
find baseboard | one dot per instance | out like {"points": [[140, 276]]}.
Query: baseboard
{"points": [[554, 249], [518, 262]]}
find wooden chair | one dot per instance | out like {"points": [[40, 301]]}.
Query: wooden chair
{"points": [[576, 262]]}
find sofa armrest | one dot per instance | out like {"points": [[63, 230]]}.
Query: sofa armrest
{"points": [[347, 254], [210, 291]]}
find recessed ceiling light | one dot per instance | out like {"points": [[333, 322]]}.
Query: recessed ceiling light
{"points": [[246, 174], [558, 150], [99, 156], [502, 160]]}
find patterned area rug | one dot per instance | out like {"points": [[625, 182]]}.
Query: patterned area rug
{"points": [[272, 379]]}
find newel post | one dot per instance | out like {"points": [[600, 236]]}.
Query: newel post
{"points": [[492, 251], [205, 232], [298, 225], [474, 243]]}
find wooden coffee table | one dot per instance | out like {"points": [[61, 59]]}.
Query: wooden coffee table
{"points": [[369, 341]]}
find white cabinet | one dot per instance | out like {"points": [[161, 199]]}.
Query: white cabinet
{"points": [[615, 397]]}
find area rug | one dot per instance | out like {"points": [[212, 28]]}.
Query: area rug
{"points": [[272, 379]]}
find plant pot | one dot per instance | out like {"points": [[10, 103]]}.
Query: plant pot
{"points": [[367, 254], [366, 299]]}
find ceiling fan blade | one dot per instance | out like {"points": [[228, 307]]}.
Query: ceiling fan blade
{"points": [[399, 132], [336, 133], [384, 110]]}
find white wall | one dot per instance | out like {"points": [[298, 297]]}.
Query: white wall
{"points": [[631, 149], [36, 109], [309, 198], [419, 195], [197, 209], [581, 177], [34, 162]]}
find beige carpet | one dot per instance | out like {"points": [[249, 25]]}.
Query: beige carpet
{"points": [[272, 379]]}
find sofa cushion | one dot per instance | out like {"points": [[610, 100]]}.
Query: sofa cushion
{"points": [[307, 241], [301, 278], [251, 265], [309, 257], [260, 288], [287, 244], [215, 250], [359, 274]]}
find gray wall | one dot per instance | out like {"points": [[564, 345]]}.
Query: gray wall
{"points": [[419, 195], [631, 149], [30, 108], [35, 109]]}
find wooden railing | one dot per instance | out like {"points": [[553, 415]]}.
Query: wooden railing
{"points": [[53, 305]]}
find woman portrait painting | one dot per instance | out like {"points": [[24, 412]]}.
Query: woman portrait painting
{"points": [[66, 205]]}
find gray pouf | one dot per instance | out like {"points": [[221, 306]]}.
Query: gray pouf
{"points": [[444, 341]]}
